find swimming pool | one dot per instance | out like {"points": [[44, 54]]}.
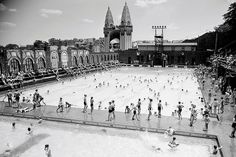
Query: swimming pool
{"points": [[78, 140], [126, 85]]}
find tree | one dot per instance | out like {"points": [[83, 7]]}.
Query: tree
{"points": [[11, 46], [38, 44], [230, 17]]}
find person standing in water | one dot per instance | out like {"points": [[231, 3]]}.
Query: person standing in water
{"points": [[113, 109], [60, 106], [149, 109], [206, 120], [17, 98], [9, 98], [134, 109], [172, 143], [85, 104], [215, 149], [47, 150], [159, 108], [139, 106], [109, 112], [91, 104], [180, 107]]}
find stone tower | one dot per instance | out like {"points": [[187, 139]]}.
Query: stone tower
{"points": [[121, 33], [109, 26], [126, 29]]}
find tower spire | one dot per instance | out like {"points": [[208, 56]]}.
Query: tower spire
{"points": [[109, 19], [125, 19]]}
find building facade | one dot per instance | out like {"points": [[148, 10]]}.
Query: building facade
{"points": [[13, 61], [118, 37], [172, 54]]}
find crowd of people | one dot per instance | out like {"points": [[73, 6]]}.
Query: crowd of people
{"points": [[17, 79]]}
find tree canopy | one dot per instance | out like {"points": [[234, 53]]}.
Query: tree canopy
{"points": [[230, 17]]}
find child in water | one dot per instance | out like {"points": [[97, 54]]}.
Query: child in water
{"points": [[215, 149], [172, 143]]}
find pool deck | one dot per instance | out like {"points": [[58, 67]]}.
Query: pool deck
{"points": [[74, 115], [219, 129]]}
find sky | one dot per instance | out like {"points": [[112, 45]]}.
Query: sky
{"points": [[24, 21]]}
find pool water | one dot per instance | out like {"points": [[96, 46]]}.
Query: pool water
{"points": [[72, 140], [126, 85]]}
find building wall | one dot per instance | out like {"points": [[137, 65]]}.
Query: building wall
{"points": [[53, 58], [173, 57], [167, 48]]}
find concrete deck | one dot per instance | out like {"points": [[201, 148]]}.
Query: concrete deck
{"points": [[74, 115]]}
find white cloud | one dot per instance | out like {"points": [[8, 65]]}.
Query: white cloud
{"points": [[88, 20], [12, 10], [44, 15], [46, 12], [7, 24], [172, 26], [145, 3], [2, 7]]}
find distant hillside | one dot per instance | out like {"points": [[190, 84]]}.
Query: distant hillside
{"points": [[207, 40]]}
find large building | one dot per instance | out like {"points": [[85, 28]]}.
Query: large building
{"points": [[169, 53], [118, 37], [14, 60]]}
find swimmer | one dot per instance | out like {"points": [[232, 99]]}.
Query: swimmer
{"points": [[170, 131], [100, 105], [156, 148], [40, 121], [47, 151], [172, 143], [13, 125], [68, 105], [7, 151], [30, 131], [215, 149], [127, 109], [166, 104]]}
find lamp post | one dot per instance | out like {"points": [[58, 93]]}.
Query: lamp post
{"points": [[156, 37]]}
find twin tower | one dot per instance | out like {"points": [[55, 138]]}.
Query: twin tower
{"points": [[118, 37]]}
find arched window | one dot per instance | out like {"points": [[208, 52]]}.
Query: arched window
{"points": [[64, 59], [111, 57], [0, 68], [87, 59], [108, 57], [105, 58], [29, 65], [74, 61], [54, 60], [93, 59], [97, 59], [14, 66], [81, 60], [101, 58], [41, 64]]}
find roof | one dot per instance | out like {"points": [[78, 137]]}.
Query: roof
{"points": [[109, 19], [125, 18], [168, 44]]}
